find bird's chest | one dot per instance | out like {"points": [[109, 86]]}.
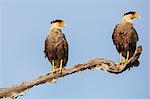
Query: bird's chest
{"points": [[55, 41], [55, 38], [124, 34]]}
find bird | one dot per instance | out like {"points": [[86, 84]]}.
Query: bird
{"points": [[56, 46], [125, 37]]}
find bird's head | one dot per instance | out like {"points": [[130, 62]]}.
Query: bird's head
{"points": [[129, 16], [57, 24]]}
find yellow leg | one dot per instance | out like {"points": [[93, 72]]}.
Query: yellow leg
{"points": [[118, 66], [120, 58], [53, 66], [61, 61], [127, 58]]}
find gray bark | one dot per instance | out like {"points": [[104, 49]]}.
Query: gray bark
{"points": [[97, 64]]}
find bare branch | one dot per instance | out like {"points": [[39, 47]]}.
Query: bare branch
{"points": [[98, 64]]}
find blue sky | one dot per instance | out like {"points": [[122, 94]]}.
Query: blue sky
{"points": [[24, 27]]}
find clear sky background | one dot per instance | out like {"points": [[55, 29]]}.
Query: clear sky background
{"points": [[24, 26]]}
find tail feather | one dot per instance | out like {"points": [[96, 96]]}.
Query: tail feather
{"points": [[136, 63]]}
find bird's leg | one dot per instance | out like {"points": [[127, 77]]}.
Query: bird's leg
{"points": [[120, 58], [60, 68], [127, 58], [120, 62], [53, 66]]}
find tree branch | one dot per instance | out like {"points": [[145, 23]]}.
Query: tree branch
{"points": [[98, 64]]}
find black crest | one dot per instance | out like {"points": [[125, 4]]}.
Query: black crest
{"points": [[131, 12], [57, 20]]}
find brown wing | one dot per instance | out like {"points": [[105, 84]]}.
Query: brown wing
{"points": [[49, 49], [116, 38], [133, 38], [62, 49]]}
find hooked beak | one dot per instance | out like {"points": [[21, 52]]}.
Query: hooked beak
{"points": [[136, 15], [62, 24]]}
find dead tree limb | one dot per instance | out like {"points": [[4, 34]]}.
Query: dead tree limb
{"points": [[98, 64]]}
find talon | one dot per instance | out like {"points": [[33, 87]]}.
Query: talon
{"points": [[52, 72], [48, 73], [118, 66], [53, 69], [60, 70], [120, 63]]}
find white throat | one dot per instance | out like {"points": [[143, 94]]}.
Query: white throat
{"points": [[127, 19], [55, 26]]}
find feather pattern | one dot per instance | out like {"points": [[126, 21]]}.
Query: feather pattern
{"points": [[56, 47]]}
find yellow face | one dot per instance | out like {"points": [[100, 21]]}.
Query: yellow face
{"points": [[136, 15], [57, 25]]}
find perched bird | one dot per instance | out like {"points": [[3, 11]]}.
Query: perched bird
{"points": [[125, 37], [56, 46]]}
